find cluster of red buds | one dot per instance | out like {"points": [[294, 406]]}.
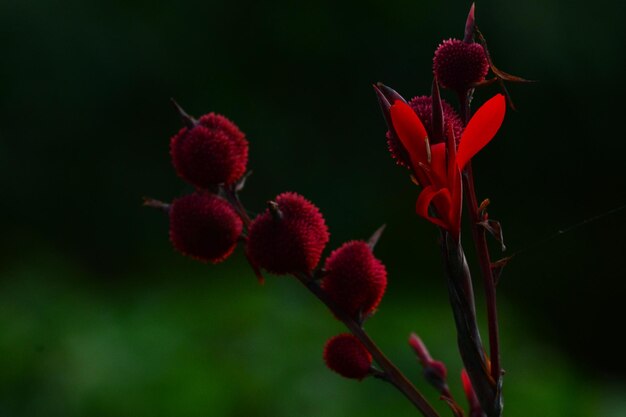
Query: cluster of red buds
{"points": [[288, 238], [436, 143]]}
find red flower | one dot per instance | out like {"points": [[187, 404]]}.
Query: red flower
{"points": [[438, 167], [347, 356]]}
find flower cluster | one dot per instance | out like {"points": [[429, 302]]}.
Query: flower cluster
{"points": [[287, 238], [207, 153], [425, 135]]}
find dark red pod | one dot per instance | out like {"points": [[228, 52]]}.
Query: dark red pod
{"points": [[354, 279], [210, 151], [458, 64], [423, 107], [204, 227], [288, 238], [347, 356]]}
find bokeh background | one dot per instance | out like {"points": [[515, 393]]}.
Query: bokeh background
{"points": [[100, 317]]}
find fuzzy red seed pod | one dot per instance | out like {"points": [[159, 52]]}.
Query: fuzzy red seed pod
{"points": [[204, 227], [354, 279], [458, 64], [213, 151], [288, 237], [423, 107], [347, 356]]}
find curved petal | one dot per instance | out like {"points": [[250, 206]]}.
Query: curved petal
{"points": [[481, 129], [427, 196], [410, 131]]}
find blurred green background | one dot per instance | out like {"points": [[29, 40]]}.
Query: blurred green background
{"points": [[100, 317]]}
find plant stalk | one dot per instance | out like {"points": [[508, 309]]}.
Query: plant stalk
{"points": [[394, 375], [391, 373], [480, 241], [482, 251]]}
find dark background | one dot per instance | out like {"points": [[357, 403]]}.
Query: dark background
{"points": [[100, 317]]}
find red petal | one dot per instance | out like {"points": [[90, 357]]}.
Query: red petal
{"points": [[438, 164], [410, 131], [427, 196], [481, 129]]}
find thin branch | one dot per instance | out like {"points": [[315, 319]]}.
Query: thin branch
{"points": [[393, 374]]}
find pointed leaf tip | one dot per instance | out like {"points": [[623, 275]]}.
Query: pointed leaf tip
{"points": [[242, 181], [373, 240], [390, 94], [437, 113], [384, 104], [470, 25], [188, 120]]}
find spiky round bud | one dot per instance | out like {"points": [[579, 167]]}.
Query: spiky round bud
{"points": [[458, 64], [204, 227], [212, 152], [347, 356], [288, 237], [423, 107], [354, 279]]}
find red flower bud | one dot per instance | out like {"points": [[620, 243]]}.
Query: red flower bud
{"points": [[470, 394], [288, 237], [204, 227], [347, 356], [210, 151], [423, 107], [459, 64], [354, 279], [435, 372]]}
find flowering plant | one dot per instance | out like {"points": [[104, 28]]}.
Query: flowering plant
{"points": [[436, 144]]}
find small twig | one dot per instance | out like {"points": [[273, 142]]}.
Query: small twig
{"points": [[153, 203]]}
